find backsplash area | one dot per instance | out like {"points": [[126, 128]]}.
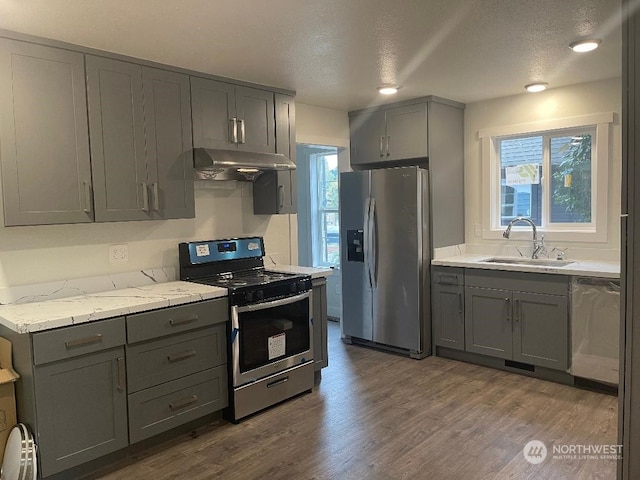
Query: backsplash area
{"points": [[51, 253]]}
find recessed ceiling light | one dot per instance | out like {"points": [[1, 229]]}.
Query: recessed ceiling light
{"points": [[585, 45], [388, 89], [536, 87]]}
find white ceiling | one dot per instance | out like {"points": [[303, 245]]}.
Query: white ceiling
{"points": [[335, 52]]}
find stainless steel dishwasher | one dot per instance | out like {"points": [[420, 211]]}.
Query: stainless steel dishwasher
{"points": [[595, 328]]}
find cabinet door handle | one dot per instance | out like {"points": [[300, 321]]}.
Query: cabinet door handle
{"points": [[183, 403], [242, 131], [156, 199], [174, 322], [516, 310], [176, 357], [234, 130], [508, 300], [87, 197], [281, 196], [121, 374], [382, 146], [459, 302], [145, 197], [78, 342], [388, 145]]}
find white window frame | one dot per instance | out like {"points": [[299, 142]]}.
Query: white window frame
{"points": [[317, 212], [600, 151]]}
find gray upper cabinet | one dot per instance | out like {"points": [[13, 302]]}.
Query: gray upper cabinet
{"points": [[116, 123], [140, 125], [44, 143], [227, 116], [428, 132], [393, 134], [277, 191], [167, 110]]}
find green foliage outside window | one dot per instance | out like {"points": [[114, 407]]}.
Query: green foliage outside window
{"points": [[572, 178]]}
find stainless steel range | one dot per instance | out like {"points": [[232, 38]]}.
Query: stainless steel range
{"points": [[271, 334]]}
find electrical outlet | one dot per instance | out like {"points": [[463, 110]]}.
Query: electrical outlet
{"points": [[118, 253]]}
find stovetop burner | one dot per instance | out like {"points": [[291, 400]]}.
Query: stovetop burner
{"points": [[250, 278]]}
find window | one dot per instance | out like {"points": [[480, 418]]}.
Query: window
{"points": [[553, 172], [325, 227]]}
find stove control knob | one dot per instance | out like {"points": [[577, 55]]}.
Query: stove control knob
{"points": [[302, 285], [248, 296], [293, 287], [259, 295]]}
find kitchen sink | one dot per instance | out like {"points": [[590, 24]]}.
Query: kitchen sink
{"points": [[536, 262]]}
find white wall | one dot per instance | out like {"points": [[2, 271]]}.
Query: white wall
{"points": [[324, 126], [582, 99], [57, 252]]}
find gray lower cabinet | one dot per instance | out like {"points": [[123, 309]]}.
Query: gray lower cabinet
{"points": [[44, 136], [518, 316], [176, 366], [448, 315], [320, 319], [79, 382], [228, 116], [276, 192], [140, 124], [447, 307], [91, 389]]}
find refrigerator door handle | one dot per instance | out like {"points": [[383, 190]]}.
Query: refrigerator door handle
{"points": [[373, 243], [367, 239]]}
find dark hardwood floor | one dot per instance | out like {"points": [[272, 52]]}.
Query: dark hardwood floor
{"points": [[377, 415]]}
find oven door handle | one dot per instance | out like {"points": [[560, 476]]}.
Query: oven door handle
{"points": [[272, 303]]}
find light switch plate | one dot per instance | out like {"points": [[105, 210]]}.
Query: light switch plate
{"points": [[119, 253]]}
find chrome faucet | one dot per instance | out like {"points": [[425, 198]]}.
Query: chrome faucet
{"points": [[538, 245]]}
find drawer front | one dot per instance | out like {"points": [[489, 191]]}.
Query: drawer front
{"points": [[171, 404], [448, 275], [69, 342], [548, 283], [169, 358], [167, 321]]}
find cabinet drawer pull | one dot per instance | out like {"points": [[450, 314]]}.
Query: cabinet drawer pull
{"points": [[278, 382], [176, 357], [448, 279], [121, 374], [78, 342], [174, 322], [183, 403]]}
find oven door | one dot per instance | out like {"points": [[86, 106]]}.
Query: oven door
{"points": [[269, 337]]}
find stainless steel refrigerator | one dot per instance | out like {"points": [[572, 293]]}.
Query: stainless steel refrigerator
{"points": [[384, 231]]}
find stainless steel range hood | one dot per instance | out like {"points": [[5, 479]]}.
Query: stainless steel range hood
{"points": [[211, 164]]}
